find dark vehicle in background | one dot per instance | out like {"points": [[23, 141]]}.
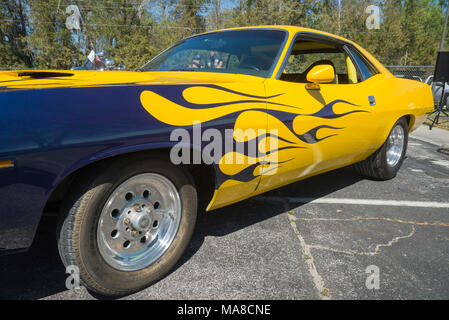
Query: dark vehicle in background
{"points": [[409, 77], [439, 89]]}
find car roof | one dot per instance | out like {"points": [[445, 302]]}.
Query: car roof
{"points": [[293, 30], [290, 29]]}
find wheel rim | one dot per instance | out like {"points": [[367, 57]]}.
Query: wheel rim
{"points": [[139, 222], [395, 146]]}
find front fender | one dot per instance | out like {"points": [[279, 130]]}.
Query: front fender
{"points": [[52, 133]]}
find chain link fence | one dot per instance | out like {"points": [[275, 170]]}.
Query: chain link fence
{"points": [[424, 74], [419, 73]]}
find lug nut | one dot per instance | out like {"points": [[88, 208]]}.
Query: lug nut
{"points": [[134, 233], [126, 221]]}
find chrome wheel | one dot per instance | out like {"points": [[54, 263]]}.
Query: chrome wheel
{"points": [[139, 222], [395, 145]]}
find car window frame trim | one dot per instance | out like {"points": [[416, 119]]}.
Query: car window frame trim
{"points": [[326, 38], [351, 50]]}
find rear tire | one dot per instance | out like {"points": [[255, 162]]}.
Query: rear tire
{"points": [[105, 263], [385, 163]]}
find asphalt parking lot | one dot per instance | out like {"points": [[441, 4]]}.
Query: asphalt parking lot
{"points": [[311, 240]]}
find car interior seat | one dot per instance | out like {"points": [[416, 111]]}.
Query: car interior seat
{"points": [[302, 77]]}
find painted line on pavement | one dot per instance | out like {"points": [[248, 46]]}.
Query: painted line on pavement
{"points": [[369, 202]]}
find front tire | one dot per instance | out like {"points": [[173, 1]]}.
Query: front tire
{"points": [[127, 226], [385, 163]]}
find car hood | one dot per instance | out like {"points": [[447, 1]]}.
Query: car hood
{"points": [[46, 79]]}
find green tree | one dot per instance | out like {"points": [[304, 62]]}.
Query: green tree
{"points": [[14, 31], [50, 40], [33, 32]]}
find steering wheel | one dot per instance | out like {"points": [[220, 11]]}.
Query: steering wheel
{"points": [[250, 67]]}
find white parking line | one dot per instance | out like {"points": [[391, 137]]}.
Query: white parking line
{"points": [[443, 163], [368, 202]]}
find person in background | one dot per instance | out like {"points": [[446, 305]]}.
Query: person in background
{"points": [[196, 62], [215, 61], [98, 62]]}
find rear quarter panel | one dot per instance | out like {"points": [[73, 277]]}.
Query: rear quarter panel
{"points": [[397, 98]]}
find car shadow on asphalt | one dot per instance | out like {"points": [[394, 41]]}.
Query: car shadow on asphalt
{"points": [[36, 273], [39, 272], [221, 222]]}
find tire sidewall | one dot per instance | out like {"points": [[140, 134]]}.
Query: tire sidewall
{"points": [[89, 259]]}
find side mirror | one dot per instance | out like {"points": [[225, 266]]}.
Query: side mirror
{"points": [[323, 73]]}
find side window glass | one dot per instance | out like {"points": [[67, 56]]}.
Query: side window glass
{"points": [[307, 54], [233, 62], [299, 63], [365, 70]]}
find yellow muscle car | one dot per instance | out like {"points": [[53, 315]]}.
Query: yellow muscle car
{"points": [[226, 115]]}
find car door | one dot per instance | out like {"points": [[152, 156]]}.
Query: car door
{"points": [[323, 129], [237, 174]]}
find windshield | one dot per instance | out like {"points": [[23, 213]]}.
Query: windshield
{"points": [[251, 52]]}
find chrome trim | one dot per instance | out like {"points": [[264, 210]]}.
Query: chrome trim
{"points": [[287, 55], [278, 56], [351, 51], [139, 222], [395, 145]]}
